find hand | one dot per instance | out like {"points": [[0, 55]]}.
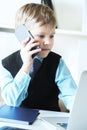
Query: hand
{"points": [[27, 52]]}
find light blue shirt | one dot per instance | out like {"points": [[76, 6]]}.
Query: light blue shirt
{"points": [[15, 90]]}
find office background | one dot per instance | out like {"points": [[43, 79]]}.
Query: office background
{"points": [[71, 34]]}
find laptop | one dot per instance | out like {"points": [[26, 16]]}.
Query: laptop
{"points": [[78, 115]]}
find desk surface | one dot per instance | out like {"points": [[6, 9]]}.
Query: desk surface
{"points": [[39, 124]]}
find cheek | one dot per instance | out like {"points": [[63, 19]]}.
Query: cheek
{"points": [[39, 39], [52, 43]]}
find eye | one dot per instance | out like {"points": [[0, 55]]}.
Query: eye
{"points": [[41, 36], [52, 36]]}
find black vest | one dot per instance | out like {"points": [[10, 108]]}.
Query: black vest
{"points": [[42, 91]]}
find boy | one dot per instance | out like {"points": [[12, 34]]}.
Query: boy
{"points": [[53, 79]]}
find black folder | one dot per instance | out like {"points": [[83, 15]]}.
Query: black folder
{"points": [[18, 115]]}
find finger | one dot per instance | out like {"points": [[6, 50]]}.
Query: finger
{"points": [[35, 51], [25, 42], [31, 45]]}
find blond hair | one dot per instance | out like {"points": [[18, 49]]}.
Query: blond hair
{"points": [[32, 13]]}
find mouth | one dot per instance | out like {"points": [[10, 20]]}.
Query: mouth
{"points": [[45, 49]]}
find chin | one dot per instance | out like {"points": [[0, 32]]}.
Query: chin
{"points": [[43, 55]]}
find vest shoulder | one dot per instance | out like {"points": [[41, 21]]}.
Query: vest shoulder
{"points": [[11, 59], [11, 56]]}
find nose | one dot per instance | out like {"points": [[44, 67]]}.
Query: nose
{"points": [[46, 41]]}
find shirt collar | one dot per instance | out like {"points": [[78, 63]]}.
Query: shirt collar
{"points": [[39, 58]]}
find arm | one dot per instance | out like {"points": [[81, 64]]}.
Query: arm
{"points": [[66, 85], [13, 90]]}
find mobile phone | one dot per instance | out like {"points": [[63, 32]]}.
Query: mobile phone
{"points": [[22, 33]]}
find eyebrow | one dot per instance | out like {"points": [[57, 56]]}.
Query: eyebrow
{"points": [[42, 33]]}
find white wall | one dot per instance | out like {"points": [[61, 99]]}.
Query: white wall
{"points": [[8, 44], [69, 13], [8, 10]]}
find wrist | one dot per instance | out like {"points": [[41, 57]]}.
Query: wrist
{"points": [[26, 68]]}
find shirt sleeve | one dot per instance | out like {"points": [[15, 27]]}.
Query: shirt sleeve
{"points": [[13, 90], [66, 85]]}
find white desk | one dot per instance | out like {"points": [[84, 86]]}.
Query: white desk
{"points": [[39, 124]]}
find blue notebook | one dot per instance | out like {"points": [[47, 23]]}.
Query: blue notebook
{"points": [[18, 114]]}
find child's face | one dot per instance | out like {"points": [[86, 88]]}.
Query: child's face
{"points": [[45, 35]]}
